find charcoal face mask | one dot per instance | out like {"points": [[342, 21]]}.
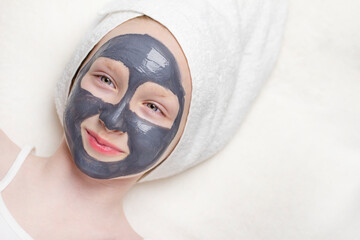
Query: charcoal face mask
{"points": [[148, 60]]}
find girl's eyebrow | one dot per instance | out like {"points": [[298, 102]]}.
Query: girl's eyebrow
{"points": [[160, 91], [165, 96], [113, 66]]}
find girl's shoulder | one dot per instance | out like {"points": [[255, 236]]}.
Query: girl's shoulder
{"points": [[8, 152]]}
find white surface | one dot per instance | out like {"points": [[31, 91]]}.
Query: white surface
{"points": [[291, 171]]}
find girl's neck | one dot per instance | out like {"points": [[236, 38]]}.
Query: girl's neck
{"points": [[60, 172], [92, 198]]}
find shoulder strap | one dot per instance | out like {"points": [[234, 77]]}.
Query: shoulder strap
{"points": [[15, 167]]}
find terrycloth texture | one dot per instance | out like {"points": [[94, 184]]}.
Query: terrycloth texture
{"points": [[231, 47]]}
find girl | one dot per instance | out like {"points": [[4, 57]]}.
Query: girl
{"points": [[143, 98]]}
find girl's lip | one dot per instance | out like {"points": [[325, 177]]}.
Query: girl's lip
{"points": [[101, 145]]}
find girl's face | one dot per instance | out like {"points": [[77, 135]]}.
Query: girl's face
{"points": [[129, 102]]}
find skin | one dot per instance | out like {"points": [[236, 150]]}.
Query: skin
{"points": [[51, 195]]}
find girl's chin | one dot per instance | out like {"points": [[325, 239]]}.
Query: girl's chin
{"points": [[103, 157]]}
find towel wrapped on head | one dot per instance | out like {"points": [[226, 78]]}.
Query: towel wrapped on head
{"points": [[231, 47]]}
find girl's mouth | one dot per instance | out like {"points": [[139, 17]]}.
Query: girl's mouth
{"points": [[101, 145]]}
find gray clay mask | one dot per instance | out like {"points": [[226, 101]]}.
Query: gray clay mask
{"points": [[147, 60]]}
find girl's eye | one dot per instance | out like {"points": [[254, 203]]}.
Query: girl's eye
{"points": [[106, 80], [153, 107]]}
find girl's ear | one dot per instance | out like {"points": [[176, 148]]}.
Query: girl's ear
{"points": [[84, 61]]}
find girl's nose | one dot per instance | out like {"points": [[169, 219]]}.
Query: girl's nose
{"points": [[114, 117]]}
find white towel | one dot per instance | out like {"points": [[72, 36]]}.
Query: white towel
{"points": [[231, 47]]}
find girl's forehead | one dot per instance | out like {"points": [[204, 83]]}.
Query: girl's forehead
{"points": [[146, 59], [145, 25], [143, 53]]}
